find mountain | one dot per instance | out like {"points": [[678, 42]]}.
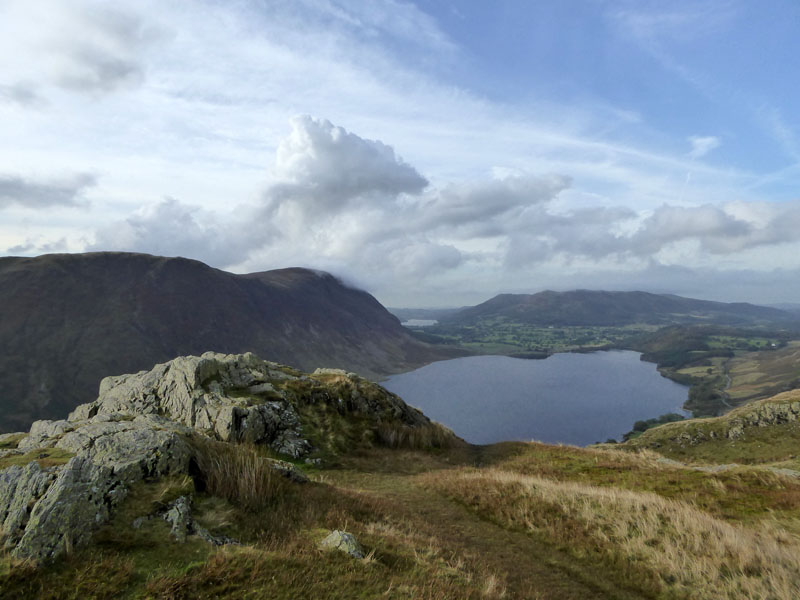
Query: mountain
{"points": [[587, 307], [68, 320]]}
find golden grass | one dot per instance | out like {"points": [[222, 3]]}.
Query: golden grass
{"points": [[686, 552], [239, 474]]}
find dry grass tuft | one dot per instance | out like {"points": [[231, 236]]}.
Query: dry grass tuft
{"points": [[238, 473]]}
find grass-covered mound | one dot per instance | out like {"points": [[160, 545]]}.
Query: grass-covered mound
{"points": [[765, 431]]}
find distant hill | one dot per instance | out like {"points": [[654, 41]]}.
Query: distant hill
{"points": [[792, 307], [68, 320], [586, 307]]}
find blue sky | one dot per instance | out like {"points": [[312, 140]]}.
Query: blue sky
{"points": [[435, 153]]}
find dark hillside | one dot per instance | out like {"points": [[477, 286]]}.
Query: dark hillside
{"points": [[67, 320]]}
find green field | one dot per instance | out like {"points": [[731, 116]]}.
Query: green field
{"points": [[500, 335]]}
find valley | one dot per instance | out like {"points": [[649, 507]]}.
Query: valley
{"points": [[223, 475], [661, 517], [729, 354]]}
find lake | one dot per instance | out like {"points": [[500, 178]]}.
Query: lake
{"points": [[570, 398]]}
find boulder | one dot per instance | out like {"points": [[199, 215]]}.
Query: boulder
{"points": [[344, 542]]}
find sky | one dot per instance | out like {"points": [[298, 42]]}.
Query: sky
{"points": [[434, 153]]}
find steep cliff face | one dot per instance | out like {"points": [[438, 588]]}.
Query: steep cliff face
{"points": [[68, 320], [63, 479]]}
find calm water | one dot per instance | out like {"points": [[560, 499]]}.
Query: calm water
{"points": [[570, 398]]}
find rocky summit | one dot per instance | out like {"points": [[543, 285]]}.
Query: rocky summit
{"points": [[64, 478]]}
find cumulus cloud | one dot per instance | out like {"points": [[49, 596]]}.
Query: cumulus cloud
{"points": [[710, 225], [703, 145], [322, 169], [39, 194]]}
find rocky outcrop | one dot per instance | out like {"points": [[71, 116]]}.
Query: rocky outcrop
{"points": [[781, 409], [778, 410], [71, 474], [232, 397], [46, 510]]}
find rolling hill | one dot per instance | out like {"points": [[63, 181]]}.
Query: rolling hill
{"points": [[600, 308], [68, 320]]}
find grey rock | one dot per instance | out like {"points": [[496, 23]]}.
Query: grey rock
{"points": [[74, 504], [20, 488], [227, 395], [344, 542], [140, 427], [44, 434], [179, 516], [784, 471], [44, 512], [340, 372]]}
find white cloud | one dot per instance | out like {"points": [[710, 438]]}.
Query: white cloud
{"points": [[338, 201], [322, 169], [190, 101], [702, 145]]}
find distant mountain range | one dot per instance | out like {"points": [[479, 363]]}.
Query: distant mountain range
{"points": [[68, 320], [587, 307]]}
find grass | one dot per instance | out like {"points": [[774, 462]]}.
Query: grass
{"points": [[426, 437], [745, 495], [729, 438], [339, 417], [278, 556], [503, 335], [46, 457], [11, 440], [531, 521], [239, 474], [662, 547], [440, 519]]}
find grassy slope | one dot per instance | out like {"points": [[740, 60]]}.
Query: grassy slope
{"points": [[510, 520], [734, 437]]}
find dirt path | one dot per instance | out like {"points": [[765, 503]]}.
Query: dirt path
{"points": [[528, 567]]}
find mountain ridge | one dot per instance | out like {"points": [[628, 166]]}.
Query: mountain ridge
{"points": [[68, 320]]}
